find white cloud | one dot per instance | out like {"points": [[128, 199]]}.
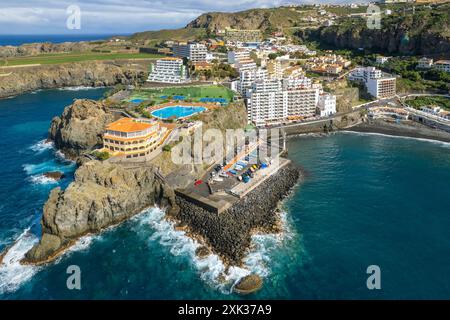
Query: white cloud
{"points": [[114, 16]]}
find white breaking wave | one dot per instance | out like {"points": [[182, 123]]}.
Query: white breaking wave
{"points": [[42, 145], [12, 273], [442, 143], [78, 88], [41, 179], [211, 268], [62, 157]]}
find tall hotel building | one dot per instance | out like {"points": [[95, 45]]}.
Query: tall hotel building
{"points": [[276, 100], [195, 52], [168, 70], [378, 84]]}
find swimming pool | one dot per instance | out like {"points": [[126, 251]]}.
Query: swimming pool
{"points": [[177, 112], [137, 100]]}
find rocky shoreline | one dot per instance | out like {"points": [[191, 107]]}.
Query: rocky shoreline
{"points": [[80, 127], [228, 234], [89, 74], [101, 195], [403, 129]]}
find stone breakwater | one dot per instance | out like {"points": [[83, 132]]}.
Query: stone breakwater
{"points": [[101, 195], [228, 234]]}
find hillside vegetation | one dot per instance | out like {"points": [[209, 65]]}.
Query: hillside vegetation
{"points": [[182, 34], [424, 32]]}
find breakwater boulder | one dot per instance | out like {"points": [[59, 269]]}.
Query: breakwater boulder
{"points": [[229, 233], [80, 127], [248, 284], [101, 195]]}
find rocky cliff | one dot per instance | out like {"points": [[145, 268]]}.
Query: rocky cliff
{"points": [[15, 81], [101, 195], [426, 32], [80, 127], [262, 19], [31, 49]]}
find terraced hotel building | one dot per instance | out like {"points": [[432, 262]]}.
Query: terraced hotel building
{"points": [[168, 70], [132, 138]]}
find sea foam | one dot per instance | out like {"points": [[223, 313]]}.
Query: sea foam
{"points": [[42, 145], [41, 179], [12, 272], [211, 268], [438, 142], [78, 88]]}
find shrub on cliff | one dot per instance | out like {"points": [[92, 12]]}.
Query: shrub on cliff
{"points": [[101, 155]]}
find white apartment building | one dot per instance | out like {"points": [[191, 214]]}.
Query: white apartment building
{"points": [[247, 77], [302, 102], [299, 82], [168, 70], [381, 59], [195, 52], [326, 106], [383, 87], [378, 84], [442, 65], [424, 63], [267, 102], [244, 65], [277, 100], [236, 56]]}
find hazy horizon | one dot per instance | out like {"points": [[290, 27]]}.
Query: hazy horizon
{"points": [[111, 17]]}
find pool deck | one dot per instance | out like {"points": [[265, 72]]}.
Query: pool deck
{"points": [[209, 106]]}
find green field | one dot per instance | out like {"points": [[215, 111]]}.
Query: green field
{"points": [[74, 57], [192, 93]]}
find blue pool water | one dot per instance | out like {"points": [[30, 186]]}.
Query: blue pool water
{"points": [[177, 112], [367, 199], [137, 100]]}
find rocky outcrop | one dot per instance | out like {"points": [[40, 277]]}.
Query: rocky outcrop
{"points": [[426, 32], [229, 233], [31, 49], [248, 284], [55, 175], [91, 74], [101, 195], [80, 127], [249, 19]]}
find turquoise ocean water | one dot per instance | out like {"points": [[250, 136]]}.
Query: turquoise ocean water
{"points": [[367, 199]]}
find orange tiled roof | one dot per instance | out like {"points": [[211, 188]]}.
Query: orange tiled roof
{"points": [[128, 125]]}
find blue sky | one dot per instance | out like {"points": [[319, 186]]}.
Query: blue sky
{"points": [[116, 16]]}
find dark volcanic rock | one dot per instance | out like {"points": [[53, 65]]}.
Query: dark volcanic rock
{"points": [[229, 233], [80, 127], [55, 175], [101, 195], [249, 284], [202, 252], [89, 73]]}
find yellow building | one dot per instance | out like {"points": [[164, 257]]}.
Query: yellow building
{"points": [[132, 138]]}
